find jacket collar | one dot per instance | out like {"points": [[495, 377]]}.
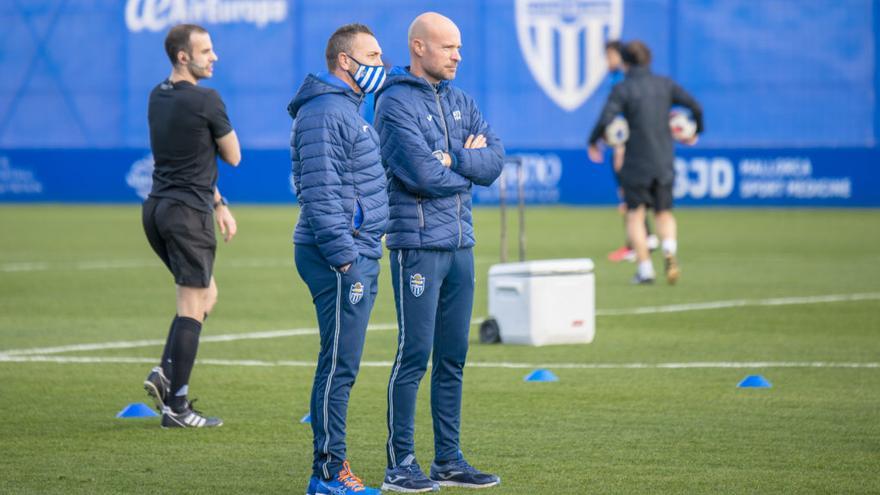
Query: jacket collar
{"points": [[638, 71], [402, 75]]}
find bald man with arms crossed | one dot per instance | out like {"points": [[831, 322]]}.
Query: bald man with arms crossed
{"points": [[435, 146]]}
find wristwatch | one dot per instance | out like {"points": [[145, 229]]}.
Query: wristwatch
{"points": [[222, 201]]}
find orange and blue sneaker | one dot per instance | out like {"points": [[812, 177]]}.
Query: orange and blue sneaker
{"points": [[460, 473], [345, 483]]}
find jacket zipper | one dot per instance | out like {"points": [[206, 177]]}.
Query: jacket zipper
{"points": [[442, 116], [421, 214], [445, 135]]}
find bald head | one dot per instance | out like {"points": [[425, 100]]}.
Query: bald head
{"points": [[434, 44], [429, 23]]}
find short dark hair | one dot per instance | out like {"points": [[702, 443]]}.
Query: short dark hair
{"points": [[636, 53], [178, 39], [340, 42], [615, 45]]}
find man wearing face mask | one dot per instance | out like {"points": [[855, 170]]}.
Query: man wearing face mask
{"points": [[188, 129], [435, 145], [340, 186]]}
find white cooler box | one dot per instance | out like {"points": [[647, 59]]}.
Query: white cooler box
{"points": [[544, 301]]}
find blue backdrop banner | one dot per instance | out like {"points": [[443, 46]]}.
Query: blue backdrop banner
{"points": [[789, 89], [780, 73], [706, 177]]}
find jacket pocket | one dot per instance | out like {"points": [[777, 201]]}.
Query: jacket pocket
{"points": [[358, 216], [420, 212]]}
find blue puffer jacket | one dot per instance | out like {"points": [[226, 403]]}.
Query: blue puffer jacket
{"points": [[430, 204], [337, 172]]}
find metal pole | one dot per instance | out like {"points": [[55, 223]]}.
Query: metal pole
{"points": [[521, 184], [502, 194]]}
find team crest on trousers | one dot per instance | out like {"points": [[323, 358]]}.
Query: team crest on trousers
{"points": [[572, 34], [417, 284], [356, 293]]}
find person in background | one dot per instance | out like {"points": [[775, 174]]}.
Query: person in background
{"points": [[648, 172], [616, 74]]}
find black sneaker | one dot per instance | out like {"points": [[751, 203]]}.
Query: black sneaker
{"points": [[188, 418], [460, 473], [158, 387], [408, 479]]}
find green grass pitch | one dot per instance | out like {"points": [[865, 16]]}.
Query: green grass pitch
{"points": [[81, 275]]}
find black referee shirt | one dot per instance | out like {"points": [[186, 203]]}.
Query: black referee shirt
{"points": [[185, 119]]}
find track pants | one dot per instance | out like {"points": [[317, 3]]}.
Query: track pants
{"points": [[343, 302], [434, 295]]}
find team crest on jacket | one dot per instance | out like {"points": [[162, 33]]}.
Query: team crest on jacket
{"points": [[356, 293], [572, 34], [417, 284]]}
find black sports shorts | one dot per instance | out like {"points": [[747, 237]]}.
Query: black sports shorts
{"points": [[183, 237], [655, 195]]}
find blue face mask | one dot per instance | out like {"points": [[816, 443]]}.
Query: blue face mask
{"points": [[368, 77]]}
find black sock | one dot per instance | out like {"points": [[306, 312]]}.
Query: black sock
{"points": [[184, 345], [166, 353]]}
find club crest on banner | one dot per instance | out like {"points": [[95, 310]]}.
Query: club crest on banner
{"points": [[356, 293], [417, 284], [563, 43]]}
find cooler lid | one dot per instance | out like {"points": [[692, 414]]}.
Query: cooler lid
{"points": [[533, 268]]}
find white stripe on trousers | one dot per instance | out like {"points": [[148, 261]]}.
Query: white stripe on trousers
{"points": [[397, 365], [330, 377]]}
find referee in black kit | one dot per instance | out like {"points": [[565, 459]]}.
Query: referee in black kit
{"points": [[188, 129]]}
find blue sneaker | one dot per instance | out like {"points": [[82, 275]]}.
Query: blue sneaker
{"points": [[345, 483], [460, 473], [408, 478]]}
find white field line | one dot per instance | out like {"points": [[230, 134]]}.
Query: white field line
{"points": [[38, 266], [42, 266], [738, 303], [130, 344], [488, 365], [674, 308]]}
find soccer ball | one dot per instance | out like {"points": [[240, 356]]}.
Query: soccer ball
{"points": [[617, 132], [681, 126]]}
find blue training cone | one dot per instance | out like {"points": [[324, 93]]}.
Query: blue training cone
{"points": [[541, 375], [136, 410], [306, 419], [754, 381]]}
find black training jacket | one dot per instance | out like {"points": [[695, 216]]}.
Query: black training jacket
{"points": [[645, 99]]}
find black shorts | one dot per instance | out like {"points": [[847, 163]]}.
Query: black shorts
{"points": [[183, 237], [655, 195]]}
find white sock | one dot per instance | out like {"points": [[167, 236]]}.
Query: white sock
{"points": [[646, 269], [670, 246]]}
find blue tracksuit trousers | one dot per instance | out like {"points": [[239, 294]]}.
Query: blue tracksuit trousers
{"points": [[434, 296], [343, 302]]}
